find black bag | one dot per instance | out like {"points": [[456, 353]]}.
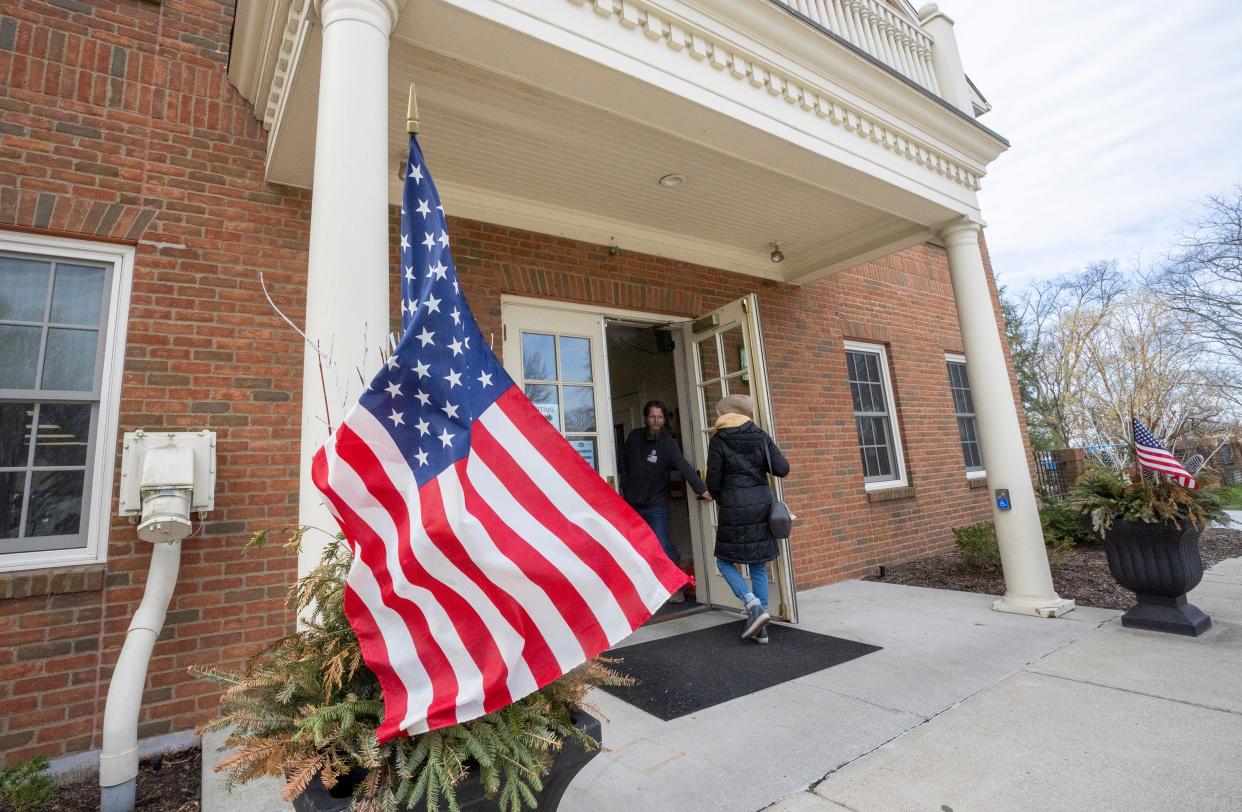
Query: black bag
{"points": [[780, 520]]}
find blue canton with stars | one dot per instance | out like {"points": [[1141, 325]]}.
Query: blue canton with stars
{"points": [[442, 375], [1144, 437]]}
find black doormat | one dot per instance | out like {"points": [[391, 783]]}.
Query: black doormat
{"points": [[688, 672]]}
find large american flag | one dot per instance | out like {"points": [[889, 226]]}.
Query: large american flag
{"points": [[489, 557], [1154, 457]]}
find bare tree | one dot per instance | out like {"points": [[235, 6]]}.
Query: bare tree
{"points": [[1202, 278], [1146, 361], [1061, 319]]}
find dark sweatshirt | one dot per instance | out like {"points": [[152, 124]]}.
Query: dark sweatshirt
{"points": [[645, 466]]}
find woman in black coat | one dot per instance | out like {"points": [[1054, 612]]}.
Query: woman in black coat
{"points": [[739, 458]]}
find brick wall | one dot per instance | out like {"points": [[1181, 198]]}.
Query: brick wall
{"points": [[117, 122], [904, 302]]}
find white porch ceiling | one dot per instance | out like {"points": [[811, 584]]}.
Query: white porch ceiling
{"points": [[506, 152], [570, 139]]}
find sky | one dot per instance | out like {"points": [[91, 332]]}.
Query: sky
{"points": [[1121, 118]]}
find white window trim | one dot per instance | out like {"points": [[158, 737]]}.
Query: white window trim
{"points": [[980, 473], [99, 512], [900, 460]]}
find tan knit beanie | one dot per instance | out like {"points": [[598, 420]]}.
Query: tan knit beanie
{"points": [[737, 404]]}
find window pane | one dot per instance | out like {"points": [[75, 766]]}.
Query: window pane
{"points": [[11, 486], [63, 432], [69, 362], [579, 408], [851, 363], [738, 385], [77, 295], [586, 447], [19, 356], [734, 343], [575, 359], [709, 360], [23, 288], [961, 403], [15, 421], [875, 398], [866, 430], [538, 357], [884, 465], [870, 464], [971, 455], [955, 376], [712, 393], [872, 366], [544, 398], [55, 503]]}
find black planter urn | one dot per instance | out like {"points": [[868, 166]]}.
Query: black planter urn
{"points": [[571, 758], [1160, 563]]}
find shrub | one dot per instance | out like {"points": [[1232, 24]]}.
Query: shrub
{"points": [[1230, 496], [26, 785], [307, 705], [980, 551], [1063, 526], [977, 545]]}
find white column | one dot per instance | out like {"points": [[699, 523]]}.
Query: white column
{"points": [[347, 278], [946, 59], [1028, 579]]}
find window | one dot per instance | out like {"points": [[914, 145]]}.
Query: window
{"points": [[874, 415], [558, 378], [964, 411], [59, 308]]}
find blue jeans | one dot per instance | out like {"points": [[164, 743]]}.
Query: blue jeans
{"points": [[657, 517], [758, 581]]}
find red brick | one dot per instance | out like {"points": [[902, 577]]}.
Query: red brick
{"points": [[175, 156]]}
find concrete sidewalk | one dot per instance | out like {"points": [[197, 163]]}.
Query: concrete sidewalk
{"points": [[964, 708], [1123, 719]]}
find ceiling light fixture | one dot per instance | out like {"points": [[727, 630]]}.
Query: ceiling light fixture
{"points": [[776, 254], [674, 179]]}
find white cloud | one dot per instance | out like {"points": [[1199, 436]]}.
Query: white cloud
{"points": [[1121, 116]]}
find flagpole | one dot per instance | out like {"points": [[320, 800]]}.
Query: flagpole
{"points": [[411, 112], [1138, 466]]}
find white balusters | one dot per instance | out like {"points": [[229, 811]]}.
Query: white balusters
{"points": [[877, 29]]}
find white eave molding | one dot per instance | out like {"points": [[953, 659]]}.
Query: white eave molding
{"points": [[778, 54]]}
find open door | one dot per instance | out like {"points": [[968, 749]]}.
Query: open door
{"points": [[725, 357], [557, 357]]}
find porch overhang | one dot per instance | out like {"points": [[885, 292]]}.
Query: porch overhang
{"points": [[561, 116]]}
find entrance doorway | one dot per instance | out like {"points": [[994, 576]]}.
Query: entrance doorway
{"points": [[642, 367], [591, 370]]}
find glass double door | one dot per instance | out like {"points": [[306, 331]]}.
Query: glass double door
{"points": [[558, 355], [558, 358], [725, 357]]}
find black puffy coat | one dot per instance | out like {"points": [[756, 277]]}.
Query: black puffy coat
{"points": [[737, 471]]}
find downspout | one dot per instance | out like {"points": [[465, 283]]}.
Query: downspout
{"points": [[118, 761]]}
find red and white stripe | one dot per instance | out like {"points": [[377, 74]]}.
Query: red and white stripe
{"points": [[513, 566], [1157, 459]]}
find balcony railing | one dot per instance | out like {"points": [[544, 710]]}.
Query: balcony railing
{"points": [[878, 30]]}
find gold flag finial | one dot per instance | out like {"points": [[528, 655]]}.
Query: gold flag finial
{"points": [[411, 112]]}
